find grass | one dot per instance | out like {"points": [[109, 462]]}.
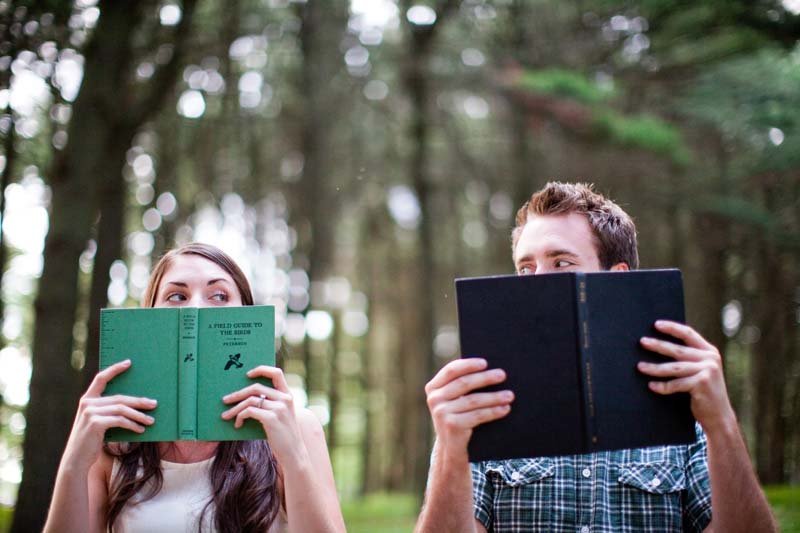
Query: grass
{"points": [[785, 501], [5, 518], [381, 513]]}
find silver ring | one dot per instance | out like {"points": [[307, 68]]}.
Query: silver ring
{"points": [[261, 403]]}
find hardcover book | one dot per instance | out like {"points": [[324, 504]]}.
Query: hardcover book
{"points": [[569, 344], [187, 358]]}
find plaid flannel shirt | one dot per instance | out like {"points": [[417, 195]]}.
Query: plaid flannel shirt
{"points": [[663, 488]]}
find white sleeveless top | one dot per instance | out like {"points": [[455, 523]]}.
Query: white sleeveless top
{"points": [[177, 506]]}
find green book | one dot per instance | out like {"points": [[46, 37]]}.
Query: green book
{"points": [[187, 358]]}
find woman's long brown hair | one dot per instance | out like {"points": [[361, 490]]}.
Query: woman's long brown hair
{"points": [[244, 474]]}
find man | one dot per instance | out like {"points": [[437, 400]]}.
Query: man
{"points": [[562, 228]]}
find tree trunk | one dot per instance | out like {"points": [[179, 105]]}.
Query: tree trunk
{"points": [[102, 121], [321, 26], [54, 382], [415, 77]]}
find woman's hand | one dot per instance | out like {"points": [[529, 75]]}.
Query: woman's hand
{"points": [[273, 407], [98, 413]]}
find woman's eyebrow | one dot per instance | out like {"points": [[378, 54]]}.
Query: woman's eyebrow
{"points": [[216, 280]]}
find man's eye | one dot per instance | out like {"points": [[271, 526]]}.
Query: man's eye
{"points": [[525, 270], [175, 297], [562, 263]]}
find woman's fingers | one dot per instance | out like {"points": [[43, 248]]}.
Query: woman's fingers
{"points": [[265, 413], [102, 378], [108, 422], [257, 389], [131, 401], [125, 411], [273, 373]]}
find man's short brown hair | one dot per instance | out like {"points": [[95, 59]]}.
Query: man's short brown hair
{"points": [[613, 229]]}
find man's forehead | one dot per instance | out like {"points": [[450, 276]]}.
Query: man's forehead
{"points": [[543, 234]]}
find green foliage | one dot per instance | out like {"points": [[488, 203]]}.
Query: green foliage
{"points": [[785, 502], [564, 83], [712, 47], [381, 513], [744, 99], [643, 131], [5, 518]]}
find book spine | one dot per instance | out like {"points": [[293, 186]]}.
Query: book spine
{"points": [[585, 351], [187, 374], [106, 330]]}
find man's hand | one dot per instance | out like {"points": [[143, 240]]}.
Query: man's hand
{"points": [[455, 411], [697, 369]]}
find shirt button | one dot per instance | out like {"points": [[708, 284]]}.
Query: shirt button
{"points": [[515, 476], [585, 529], [586, 473], [655, 482]]}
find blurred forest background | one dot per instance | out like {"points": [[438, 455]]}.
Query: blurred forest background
{"points": [[355, 157]]}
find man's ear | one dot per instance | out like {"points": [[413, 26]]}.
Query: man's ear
{"points": [[620, 267]]}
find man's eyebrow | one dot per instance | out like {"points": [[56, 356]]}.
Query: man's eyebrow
{"points": [[556, 253], [549, 253]]}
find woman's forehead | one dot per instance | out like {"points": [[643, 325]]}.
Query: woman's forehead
{"points": [[194, 266]]}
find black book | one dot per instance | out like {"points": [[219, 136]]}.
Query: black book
{"points": [[569, 344]]}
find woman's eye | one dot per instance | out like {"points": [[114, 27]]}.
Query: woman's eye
{"points": [[175, 297], [219, 297], [525, 270]]}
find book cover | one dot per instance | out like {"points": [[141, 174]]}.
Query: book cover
{"points": [[569, 344], [187, 358]]}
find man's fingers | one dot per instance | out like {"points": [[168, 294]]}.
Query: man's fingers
{"points": [[466, 384], [454, 370], [471, 419], [674, 370], [674, 385], [102, 378], [685, 333], [480, 400], [670, 349]]}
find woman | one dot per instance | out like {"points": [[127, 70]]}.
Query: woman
{"points": [[283, 484]]}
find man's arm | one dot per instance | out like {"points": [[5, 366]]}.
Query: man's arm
{"points": [[448, 499], [737, 501]]}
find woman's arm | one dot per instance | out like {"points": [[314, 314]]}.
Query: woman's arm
{"points": [[80, 492], [79, 497], [297, 440], [310, 491]]}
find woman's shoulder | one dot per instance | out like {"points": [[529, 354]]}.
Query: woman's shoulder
{"points": [[308, 422]]}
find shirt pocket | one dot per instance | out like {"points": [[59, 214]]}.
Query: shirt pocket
{"points": [[654, 478], [650, 496], [523, 494]]}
